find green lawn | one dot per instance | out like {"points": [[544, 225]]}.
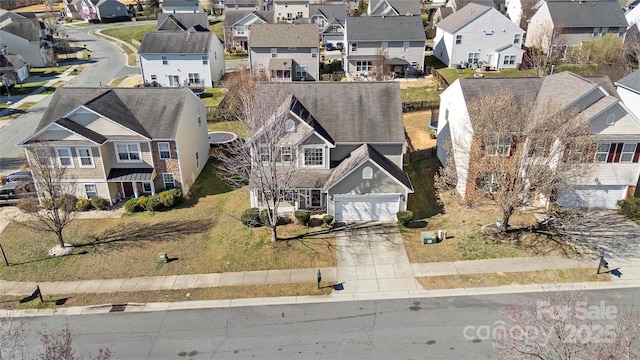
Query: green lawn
{"points": [[213, 96], [231, 126], [452, 74], [217, 27], [422, 93], [129, 33]]}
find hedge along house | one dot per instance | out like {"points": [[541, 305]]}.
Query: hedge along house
{"points": [[122, 143]]}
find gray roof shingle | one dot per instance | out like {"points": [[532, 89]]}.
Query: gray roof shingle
{"points": [[403, 7], [462, 17], [179, 42], [388, 28], [182, 21], [330, 11], [284, 35], [180, 3], [586, 13], [631, 81], [233, 16]]}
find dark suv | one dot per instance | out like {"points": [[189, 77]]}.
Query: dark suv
{"points": [[11, 192]]}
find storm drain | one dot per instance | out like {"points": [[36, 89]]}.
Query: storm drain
{"points": [[118, 308]]}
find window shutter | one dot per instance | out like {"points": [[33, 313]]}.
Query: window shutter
{"points": [[618, 152], [612, 151], [636, 155]]}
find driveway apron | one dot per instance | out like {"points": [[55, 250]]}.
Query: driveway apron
{"points": [[371, 257]]}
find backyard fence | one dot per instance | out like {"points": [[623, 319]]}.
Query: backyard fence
{"points": [[420, 105]]}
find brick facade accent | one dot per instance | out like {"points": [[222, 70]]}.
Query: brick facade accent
{"points": [[166, 166]]}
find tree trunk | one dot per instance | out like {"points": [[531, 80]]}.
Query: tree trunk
{"points": [[60, 239], [274, 233], [506, 215]]}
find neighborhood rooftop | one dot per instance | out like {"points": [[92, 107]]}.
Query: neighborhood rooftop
{"points": [[284, 35], [387, 28], [587, 13], [178, 42], [462, 17]]}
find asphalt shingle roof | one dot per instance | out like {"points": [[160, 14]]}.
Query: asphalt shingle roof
{"points": [[388, 28], [284, 35], [182, 21], [404, 7], [233, 16], [462, 17], [79, 129], [586, 13], [330, 11], [179, 42], [631, 81]]}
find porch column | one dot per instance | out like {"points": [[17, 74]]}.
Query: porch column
{"points": [[153, 188], [135, 189]]}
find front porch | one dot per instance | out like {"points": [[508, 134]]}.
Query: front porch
{"points": [[130, 183], [313, 200]]}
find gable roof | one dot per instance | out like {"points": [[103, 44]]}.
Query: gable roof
{"points": [[81, 130], [12, 62], [178, 42], [586, 13], [28, 27], [284, 35], [388, 28], [180, 3], [631, 81], [462, 17], [361, 155], [151, 112], [459, 4], [402, 7], [183, 21], [231, 17], [330, 11]]}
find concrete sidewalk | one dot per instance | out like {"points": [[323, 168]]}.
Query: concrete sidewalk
{"points": [[375, 288]]}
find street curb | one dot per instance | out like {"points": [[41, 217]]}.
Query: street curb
{"points": [[314, 299]]}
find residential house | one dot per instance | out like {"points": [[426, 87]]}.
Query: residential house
{"points": [[616, 132], [454, 5], [102, 10], [333, 33], [70, 9], [323, 14], [181, 58], [478, 35], [183, 21], [181, 6], [349, 147], [629, 90], [121, 143], [384, 45], [394, 8], [243, 5], [570, 23], [23, 34], [285, 52], [290, 10], [237, 27], [13, 69], [633, 15]]}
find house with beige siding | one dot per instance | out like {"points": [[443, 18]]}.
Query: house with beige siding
{"points": [[290, 10], [122, 143], [285, 52]]}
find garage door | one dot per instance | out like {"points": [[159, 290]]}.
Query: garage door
{"points": [[596, 197], [366, 207]]}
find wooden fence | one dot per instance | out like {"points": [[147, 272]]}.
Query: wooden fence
{"points": [[420, 105], [421, 154]]}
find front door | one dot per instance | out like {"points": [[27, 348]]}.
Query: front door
{"points": [[128, 189]]}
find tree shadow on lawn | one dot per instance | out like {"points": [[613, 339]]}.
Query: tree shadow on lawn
{"points": [[163, 231]]}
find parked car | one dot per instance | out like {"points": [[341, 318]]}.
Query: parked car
{"points": [[339, 46], [329, 47], [20, 176], [12, 192]]}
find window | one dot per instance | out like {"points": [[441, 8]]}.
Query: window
{"points": [[488, 182], [281, 74], [85, 157], [43, 156], [517, 38], [264, 153], [286, 153], [362, 66], [194, 78], [197, 160], [313, 156], [611, 119], [164, 150], [301, 71], [314, 52], [405, 46], [458, 39], [128, 152], [240, 30], [289, 196], [274, 52], [602, 152], [154, 78], [384, 46], [334, 29], [628, 150], [473, 58], [367, 173], [168, 181], [290, 125], [64, 157], [174, 80], [146, 187], [596, 31], [315, 198], [499, 145], [90, 190], [165, 61], [354, 47], [509, 60], [292, 48], [205, 60]]}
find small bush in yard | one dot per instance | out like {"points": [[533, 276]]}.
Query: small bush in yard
{"points": [[141, 201], [131, 206], [630, 207], [302, 216], [250, 217], [83, 205], [153, 203], [404, 217], [99, 203], [265, 217], [327, 219], [170, 198]]}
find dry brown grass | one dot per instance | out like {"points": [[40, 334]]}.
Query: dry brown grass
{"points": [[40, 8], [420, 82], [203, 236], [215, 293], [512, 278], [415, 124]]}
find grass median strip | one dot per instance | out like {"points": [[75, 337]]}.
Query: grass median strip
{"points": [[214, 293], [512, 278]]}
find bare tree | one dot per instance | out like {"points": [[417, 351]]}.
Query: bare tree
{"points": [[610, 56], [51, 18], [517, 150], [545, 50], [564, 325], [267, 162], [379, 66], [54, 208]]}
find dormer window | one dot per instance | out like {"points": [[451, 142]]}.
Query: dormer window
{"points": [[290, 125], [367, 173], [611, 119], [313, 155]]}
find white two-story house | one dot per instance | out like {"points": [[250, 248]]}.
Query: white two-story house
{"points": [[396, 43], [290, 10], [123, 142], [181, 58], [181, 6], [478, 35], [237, 27], [347, 140], [285, 52]]}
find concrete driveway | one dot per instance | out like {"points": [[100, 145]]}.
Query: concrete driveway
{"points": [[603, 232], [371, 257]]}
